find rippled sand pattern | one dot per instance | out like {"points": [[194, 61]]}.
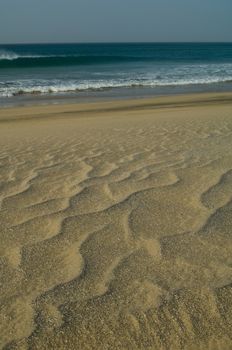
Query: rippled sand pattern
{"points": [[116, 230]]}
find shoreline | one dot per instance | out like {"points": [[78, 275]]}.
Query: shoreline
{"points": [[82, 109], [108, 94]]}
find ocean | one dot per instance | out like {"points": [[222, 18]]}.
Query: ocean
{"points": [[60, 71]]}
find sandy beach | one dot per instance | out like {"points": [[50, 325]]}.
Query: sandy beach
{"points": [[115, 225]]}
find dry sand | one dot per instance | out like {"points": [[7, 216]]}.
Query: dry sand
{"points": [[115, 225]]}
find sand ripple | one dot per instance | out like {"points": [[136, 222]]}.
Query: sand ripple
{"points": [[116, 231]]}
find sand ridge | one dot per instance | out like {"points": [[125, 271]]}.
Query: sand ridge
{"points": [[116, 226]]}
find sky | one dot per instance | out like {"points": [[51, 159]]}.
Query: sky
{"points": [[38, 21]]}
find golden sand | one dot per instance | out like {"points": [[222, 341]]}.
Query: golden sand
{"points": [[116, 225]]}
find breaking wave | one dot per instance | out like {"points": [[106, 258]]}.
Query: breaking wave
{"points": [[58, 87]]}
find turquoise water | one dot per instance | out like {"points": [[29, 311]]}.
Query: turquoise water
{"points": [[77, 69]]}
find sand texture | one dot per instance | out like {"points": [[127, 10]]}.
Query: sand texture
{"points": [[116, 225]]}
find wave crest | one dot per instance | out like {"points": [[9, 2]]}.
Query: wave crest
{"points": [[8, 55], [59, 87]]}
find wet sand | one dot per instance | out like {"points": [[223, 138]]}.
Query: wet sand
{"points": [[115, 225]]}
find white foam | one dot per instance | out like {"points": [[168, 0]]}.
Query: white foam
{"points": [[56, 87], [160, 76], [7, 55], [10, 55]]}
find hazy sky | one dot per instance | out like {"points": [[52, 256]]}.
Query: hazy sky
{"points": [[115, 20]]}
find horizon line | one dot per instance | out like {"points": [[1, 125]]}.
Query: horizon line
{"points": [[115, 42]]}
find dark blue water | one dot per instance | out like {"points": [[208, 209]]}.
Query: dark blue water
{"points": [[60, 69]]}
